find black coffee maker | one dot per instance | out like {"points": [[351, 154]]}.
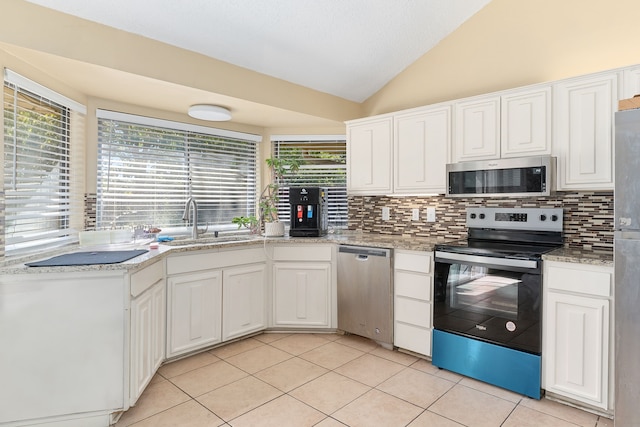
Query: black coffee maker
{"points": [[308, 211]]}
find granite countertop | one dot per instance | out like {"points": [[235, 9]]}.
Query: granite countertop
{"points": [[212, 243], [389, 241], [580, 256]]}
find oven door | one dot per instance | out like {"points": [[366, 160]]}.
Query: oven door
{"points": [[497, 300]]}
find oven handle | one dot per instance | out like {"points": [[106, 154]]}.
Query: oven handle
{"points": [[478, 259]]}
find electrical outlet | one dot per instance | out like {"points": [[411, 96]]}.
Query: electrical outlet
{"points": [[415, 214], [386, 214], [431, 214]]}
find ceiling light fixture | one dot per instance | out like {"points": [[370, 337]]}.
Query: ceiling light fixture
{"points": [[213, 113]]}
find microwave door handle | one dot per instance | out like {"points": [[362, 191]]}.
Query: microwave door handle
{"points": [[478, 259]]}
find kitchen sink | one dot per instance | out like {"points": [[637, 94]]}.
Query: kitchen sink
{"points": [[210, 240]]}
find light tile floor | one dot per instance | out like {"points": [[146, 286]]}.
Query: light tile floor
{"points": [[331, 380]]}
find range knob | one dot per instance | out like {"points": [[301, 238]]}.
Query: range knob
{"points": [[473, 216], [554, 217], [481, 216], [543, 217]]}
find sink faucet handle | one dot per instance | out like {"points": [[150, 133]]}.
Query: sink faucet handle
{"points": [[206, 228]]}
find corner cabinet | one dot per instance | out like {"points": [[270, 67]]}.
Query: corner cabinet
{"points": [[413, 301], [369, 156], [421, 150], [583, 131], [304, 286], [577, 351]]}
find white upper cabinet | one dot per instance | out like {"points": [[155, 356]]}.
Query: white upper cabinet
{"points": [[421, 150], [526, 123], [369, 156], [631, 82], [583, 131], [477, 129], [515, 123]]}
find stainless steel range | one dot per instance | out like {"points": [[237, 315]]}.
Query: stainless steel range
{"points": [[488, 296]]}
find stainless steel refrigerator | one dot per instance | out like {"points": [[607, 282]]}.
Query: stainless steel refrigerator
{"points": [[627, 268]]}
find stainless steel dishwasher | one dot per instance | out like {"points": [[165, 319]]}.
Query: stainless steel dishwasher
{"points": [[365, 293]]}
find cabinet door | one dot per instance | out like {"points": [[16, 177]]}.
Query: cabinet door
{"points": [[577, 347], [369, 157], [477, 129], [631, 82], [195, 312], [301, 294], [243, 301], [421, 146], [526, 123], [147, 337], [584, 132]]}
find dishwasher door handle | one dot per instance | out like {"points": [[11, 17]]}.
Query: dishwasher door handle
{"points": [[361, 257]]}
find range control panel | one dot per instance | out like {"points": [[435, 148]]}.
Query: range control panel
{"points": [[539, 219]]}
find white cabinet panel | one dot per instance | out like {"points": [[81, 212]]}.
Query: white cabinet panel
{"points": [[477, 129], [631, 82], [243, 301], [577, 352], [526, 123], [147, 337], [583, 137], [421, 144], [577, 347], [369, 156], [194, 310], [302, 294]]}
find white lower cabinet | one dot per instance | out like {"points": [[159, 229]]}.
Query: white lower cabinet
{"points": [[194, 311], [304, 286], [577, 319], [147, 337], [413, 301], [243, 301], [214, 296], [301, 294]]}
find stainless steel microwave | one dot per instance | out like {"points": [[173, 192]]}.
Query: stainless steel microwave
{"points": [[521, 177]]}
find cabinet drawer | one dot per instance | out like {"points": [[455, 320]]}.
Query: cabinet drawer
{"points": [[412, 338], [585, 280], [302, 253], [412, 285], [145, 278], [413, 311], [420, 262]]}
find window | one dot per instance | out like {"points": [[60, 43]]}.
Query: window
{"points": [[324, 164], [43, 206], [148, 168]]}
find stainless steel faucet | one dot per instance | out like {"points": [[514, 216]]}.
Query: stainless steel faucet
{"points": [[185, 216]]}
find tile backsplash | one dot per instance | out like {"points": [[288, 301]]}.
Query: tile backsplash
{"points": [[588, 216]]}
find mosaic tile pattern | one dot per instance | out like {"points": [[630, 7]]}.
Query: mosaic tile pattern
{"points": [[588, 216], [90, 201]]}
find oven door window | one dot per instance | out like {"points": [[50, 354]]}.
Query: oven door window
{"points": [[483, 290]]}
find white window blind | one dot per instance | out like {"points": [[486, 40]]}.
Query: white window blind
{"points": [[324, 164], [37, 172], [147, 169]]}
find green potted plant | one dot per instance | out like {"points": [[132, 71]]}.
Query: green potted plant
{"points": [[250, 222], [269, 198]]}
